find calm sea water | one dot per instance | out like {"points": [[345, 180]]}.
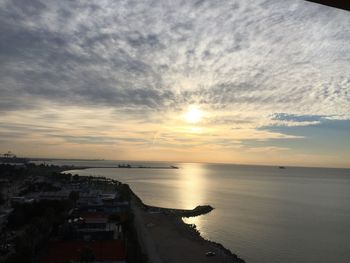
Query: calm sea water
{"points": [[264, 214]]}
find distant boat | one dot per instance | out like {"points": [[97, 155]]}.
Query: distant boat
{"points": [[282, 167], [174, 167]]}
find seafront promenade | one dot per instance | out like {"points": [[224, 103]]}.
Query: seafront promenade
{"points": [[164, 237]]}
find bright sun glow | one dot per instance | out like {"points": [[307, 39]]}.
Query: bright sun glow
{"points": [[193, 115]]}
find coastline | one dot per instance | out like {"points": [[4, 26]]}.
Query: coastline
{"points": [[125, 167], [161, 248], [165, 237]]}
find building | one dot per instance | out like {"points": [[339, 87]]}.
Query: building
{"points": [[96, 225], [90, 198], [17, 200], [57, 195], [102, 251], [4, 182]]}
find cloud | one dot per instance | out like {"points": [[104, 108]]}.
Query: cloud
{"points": [[248, 64], [232, 54], [296, 118], [96, 139]]}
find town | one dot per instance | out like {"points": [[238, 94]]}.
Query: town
{"points": [[51, 217]]}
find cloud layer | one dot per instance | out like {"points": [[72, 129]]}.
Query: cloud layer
{"points": [[249, 64], [264, 54]]}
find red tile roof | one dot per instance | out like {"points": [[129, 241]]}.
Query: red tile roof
{"points": [[106, 250]]}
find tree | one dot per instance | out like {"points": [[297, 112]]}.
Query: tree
{"points": [[74, 197], [2, 199], [87, 255]]}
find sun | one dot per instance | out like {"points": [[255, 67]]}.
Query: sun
{"points": [[193, 115]]}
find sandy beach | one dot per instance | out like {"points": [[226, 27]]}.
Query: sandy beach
{"points": [[166, 238]]}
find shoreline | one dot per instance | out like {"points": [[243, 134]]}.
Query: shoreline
{"points": [[188, 231], [155, 225], [131, 167]]}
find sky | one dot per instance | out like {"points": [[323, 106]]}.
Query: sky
{"points": [[252, 82]]}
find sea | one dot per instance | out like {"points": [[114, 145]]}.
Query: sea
{"points": [[264, 214]]}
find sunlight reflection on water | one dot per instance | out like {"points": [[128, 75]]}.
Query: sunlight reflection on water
{"points": [[192, 185]]}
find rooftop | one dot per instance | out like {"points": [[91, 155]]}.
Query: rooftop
{"points": [[106, 250]]}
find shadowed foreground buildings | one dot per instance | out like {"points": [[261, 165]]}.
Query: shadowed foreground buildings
{"points": [[50, 217], [60, 218]]}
